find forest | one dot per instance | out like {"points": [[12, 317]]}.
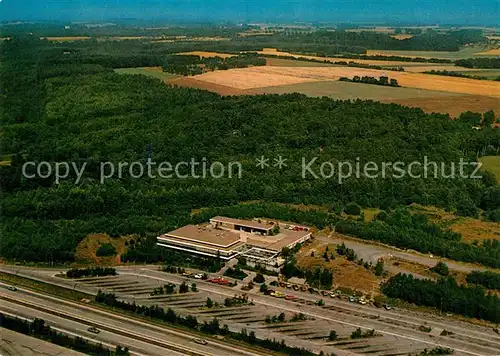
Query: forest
{"points": [[445, 295], [57, 109]]}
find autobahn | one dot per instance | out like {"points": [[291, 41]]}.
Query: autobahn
{"points": [[142, 338]]}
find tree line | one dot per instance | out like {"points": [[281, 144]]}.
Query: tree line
{"points": [[446, 295]]}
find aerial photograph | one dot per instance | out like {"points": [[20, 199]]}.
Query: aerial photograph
{"points": [[249, 177]]}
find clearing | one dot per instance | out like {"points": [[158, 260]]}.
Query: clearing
{"points": [[86, 249], [155, 72], [280, 62], [402, 37], [66, 39], [347, 274], [491, 164]]}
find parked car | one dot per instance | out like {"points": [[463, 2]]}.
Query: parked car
{"points": [[333, 295], [94, 330], [290, 297], [325, 293], [352, 299], [387, 307], [200, 341], [295, 287], [12, 288], [497, 330], [198, 276]]}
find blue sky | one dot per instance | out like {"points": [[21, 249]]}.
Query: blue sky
{"points": [[406, 11]]}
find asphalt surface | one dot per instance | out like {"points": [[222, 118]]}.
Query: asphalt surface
{"points": [[398, 329], [16, 344], [141, 338]]}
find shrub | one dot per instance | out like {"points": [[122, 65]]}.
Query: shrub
{"points": [[106, 250], [352, 209]]}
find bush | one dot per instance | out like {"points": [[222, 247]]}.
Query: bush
{"points": [[352, 209], [259, 278], [106, 250], [441, 268]]}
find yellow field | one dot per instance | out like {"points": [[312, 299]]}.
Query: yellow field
{"points": [[491, 52], [402, 37], [493, 37], [273, 51], [257, 77], [207, 54]]}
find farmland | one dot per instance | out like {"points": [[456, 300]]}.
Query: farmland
{"points": [[466, 52], [259, 77], [347, 91]]}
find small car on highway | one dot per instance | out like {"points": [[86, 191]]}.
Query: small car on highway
{"points": [[200, 341], [94, 330], [12, 288]]}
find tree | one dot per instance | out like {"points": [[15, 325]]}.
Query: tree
{"points": [[209, 303], [352, 209], [489, 118], [281, 317], [332, 336], [183, 288], [441, 268], [259, 278], [193, 287], [379, 267], [263, 288]]}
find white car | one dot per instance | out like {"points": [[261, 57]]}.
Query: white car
{"points": [[200, 341], [198, 276]]}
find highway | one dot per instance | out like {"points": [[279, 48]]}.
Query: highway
{"points": [[141, 338], [402, 326]]}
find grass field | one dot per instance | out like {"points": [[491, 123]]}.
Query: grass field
{"points": [[402, 37], [487, 73], [86, 250], [491, 164], [347, 91], [155, 72], [462, 54]]}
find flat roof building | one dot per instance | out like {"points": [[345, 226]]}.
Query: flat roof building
{"points": [[229, 238]]}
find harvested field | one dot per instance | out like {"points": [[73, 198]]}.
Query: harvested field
{"points": [[402, 37], [453, 105], [487, 73], [207, 54], [476, 230], [155, 72], [491, 164], [496, 38], [427, 67], [190, 82], [258, 77], [275, 52], [351, 91]]}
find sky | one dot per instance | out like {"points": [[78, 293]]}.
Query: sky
{"points": [[471, 12]]}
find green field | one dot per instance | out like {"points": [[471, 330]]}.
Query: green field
{"points": [[148, 72], [464, 53], [491, 164], [487, 73], [347, 91]]}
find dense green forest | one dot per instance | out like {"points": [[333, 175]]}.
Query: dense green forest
{"points": [[445, 295], [58, 107]]}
